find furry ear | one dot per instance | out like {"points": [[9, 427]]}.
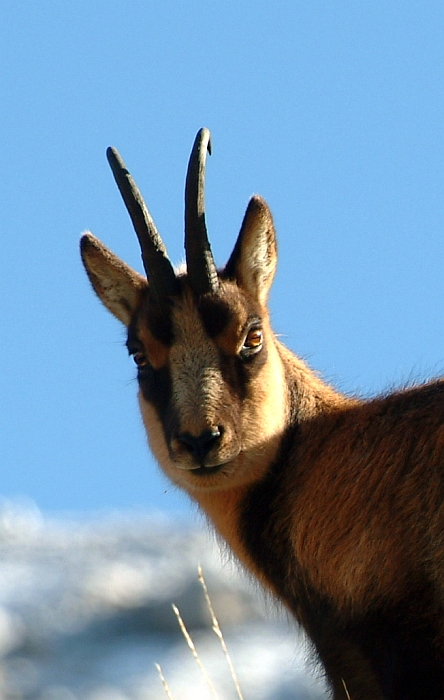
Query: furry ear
{"points": [[116, 284], [252, 263]]}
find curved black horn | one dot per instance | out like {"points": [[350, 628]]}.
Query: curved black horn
{"points": [[202, 272], [158, 268]]}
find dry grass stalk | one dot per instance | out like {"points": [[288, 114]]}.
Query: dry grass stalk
{"points": [[218, 632], [190, 643], [346, 689], [164, 683]]}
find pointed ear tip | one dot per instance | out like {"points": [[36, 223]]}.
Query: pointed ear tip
{"points": [[87, 240], [259, 210], [258, 203], [90, 246]]}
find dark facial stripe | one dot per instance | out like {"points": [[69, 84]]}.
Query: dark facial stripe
{"points": [[238, 373], [219, 311], [156, 388], [158, 318], [155, 385], [215, 314]]}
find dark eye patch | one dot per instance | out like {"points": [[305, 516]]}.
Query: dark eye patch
{"points": [[215, 314], [133, 343], [158, 318]]}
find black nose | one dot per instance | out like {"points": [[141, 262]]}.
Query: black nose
{"points": [[200, 446]]}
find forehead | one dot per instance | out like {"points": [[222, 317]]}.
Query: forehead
{"points": [[186, 318]]}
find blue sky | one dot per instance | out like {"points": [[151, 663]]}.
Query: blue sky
{"points": [[332, 111]]}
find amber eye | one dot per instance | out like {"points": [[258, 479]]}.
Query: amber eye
{"points": [[140, 359], [253, 339], [252, 343]]}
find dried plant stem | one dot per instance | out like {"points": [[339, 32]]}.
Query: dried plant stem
{"points": [[218, 632], [164, 683], [190, 643], [346, 689]]}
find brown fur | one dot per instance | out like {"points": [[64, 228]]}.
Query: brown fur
{"points": [[334, 504]]}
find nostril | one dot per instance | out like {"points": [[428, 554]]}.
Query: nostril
{"points": [[200, 445]]}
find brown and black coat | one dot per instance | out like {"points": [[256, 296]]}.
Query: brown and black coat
{"points": [[335, 504]]}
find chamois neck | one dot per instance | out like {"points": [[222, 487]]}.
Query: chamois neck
{"points": [[310, 396]]}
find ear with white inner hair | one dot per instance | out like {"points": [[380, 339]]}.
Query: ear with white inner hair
{"points": [[116, 284], [252, 263]]}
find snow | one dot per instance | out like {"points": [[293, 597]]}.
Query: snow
{"points": [[85, 613]]}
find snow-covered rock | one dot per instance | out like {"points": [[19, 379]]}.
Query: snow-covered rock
{"points": [[85, 613]]}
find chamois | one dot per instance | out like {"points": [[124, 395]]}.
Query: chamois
{"points": [[334, 503]]}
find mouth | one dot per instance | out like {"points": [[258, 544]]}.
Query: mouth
{"points": [[206, 471]]}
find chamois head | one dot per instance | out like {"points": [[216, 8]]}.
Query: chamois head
{"points": [[205, 354]]}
